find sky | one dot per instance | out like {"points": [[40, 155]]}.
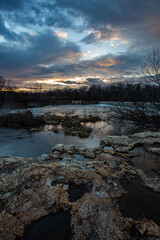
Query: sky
{"points": [[72, 43]]}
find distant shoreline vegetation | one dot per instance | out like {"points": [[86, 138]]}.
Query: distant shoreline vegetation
{"points": [[119, 92]]}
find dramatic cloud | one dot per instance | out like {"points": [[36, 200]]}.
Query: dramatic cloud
{"points": [[94, 40], [108, 67], [129, 19], [44, 48], [94, 81]]}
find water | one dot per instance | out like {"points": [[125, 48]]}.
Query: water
{"points": [[53, 227], [22, 143], [140, 202], [146, 161], [63, 109], [77, 191]]}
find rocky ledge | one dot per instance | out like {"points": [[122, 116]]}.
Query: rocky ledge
{"points": [[82, 190]]}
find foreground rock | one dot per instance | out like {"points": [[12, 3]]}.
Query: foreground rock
{"points": [[89, 190]]}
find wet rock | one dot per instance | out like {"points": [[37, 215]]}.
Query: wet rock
{"points": [[123, 149], [70, 149], [42, 157], [116, 140], [89, 189], [154, 150], [109, 150], [59, 148], [126, 143], [146, 135], [89, 153]]}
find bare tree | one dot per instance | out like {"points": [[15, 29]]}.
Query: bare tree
{"points": [[2, 83], [151, 68], [6, 85], [38, 88], [144, 113]]}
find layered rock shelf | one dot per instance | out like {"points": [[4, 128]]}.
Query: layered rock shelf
{"points": [[81, 192]]}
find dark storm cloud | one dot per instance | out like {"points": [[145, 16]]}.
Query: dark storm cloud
{"points": [[71, 82], [94, 81], [117, 12], [106, 66], [136, 21], [43, 48], [131, 19], [26, 55]]}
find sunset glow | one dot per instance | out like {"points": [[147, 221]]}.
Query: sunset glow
{"points": [[68, 41]]}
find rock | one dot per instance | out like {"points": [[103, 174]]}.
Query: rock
{"points": [[150, 227], [154, 150], [70, 149], [108, 150], [89, 153], [31, 189], [95, 219], [143, 135], [10, 226], [42, 157], [123, 149], [116, 140], [126, 143], [58, 147]]}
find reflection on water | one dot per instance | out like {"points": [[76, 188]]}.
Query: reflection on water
{"points": [[14, 142], [102, 129], [25, 144], [64, 109], [145, 161], [140, 202]]}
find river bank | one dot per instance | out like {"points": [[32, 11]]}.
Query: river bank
{"points": [[88, 192]]}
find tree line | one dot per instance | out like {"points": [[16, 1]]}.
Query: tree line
{"points": [[120, 92]]}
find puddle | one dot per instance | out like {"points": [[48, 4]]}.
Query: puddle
{"points": [[54, 227], [77, 191], [146, 161], [140, 202]]}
